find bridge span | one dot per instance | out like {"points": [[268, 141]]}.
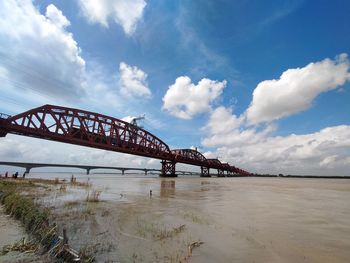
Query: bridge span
{"points": [[29, 166], [99, 131], [88, 168]]}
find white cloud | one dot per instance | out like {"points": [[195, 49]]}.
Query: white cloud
{"points": [[296, 88], [329, 161], [56, 16], [225, 128], [222, 120], [3, 73], [184, 100], [128, 119], [40, 62], [124, 12], [133, 81], [37, 52], [323, 152]]}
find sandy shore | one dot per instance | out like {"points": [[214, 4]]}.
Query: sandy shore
{"points": [[12, 231]]}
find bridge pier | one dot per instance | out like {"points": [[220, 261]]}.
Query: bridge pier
{"points": [[3, 133], [146, 172], [88, 171], [123, 171], [205, 171], [28, 169], [168, 169]]}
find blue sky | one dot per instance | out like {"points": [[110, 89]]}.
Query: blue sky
{"points": [[205, 73]]}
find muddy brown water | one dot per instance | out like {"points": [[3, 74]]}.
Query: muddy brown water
{"points": [[238, 219]]}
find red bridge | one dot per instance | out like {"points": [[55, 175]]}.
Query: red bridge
{"points": [[103, 132]]}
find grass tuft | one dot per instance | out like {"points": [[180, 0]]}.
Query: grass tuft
{"points": [[93, 196]]}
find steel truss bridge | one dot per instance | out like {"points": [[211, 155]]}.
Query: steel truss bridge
{"points": [[99, 131]]}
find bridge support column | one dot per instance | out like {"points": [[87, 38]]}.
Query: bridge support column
{"points": [[28, 169], [168, 169], [146, 172], [88, 171], [221, 173], [205, 171], [123, 172], [3, 133]]}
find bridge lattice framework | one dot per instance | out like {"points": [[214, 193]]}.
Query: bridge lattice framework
{"points": [[85, 128]]}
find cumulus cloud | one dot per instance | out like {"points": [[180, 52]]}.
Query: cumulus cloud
{"points": [[222, 121], [322, 152], [56, 16], [296, 89], [133, 81], [124, 12], [184, 99], [37, 53], [225, 128], [40, 62]]}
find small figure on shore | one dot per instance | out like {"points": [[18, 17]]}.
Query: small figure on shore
{"points": [[6, 174], [73, 179], [15, 175], [150, 193]]}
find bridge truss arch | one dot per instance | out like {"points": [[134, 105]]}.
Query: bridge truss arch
{"points": [[85, 128], [96, 130], [189, 156]]}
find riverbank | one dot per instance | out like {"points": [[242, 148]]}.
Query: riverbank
{"points": [[41, 240], [12, 232], [128, 232]]}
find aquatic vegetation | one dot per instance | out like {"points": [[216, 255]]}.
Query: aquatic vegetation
{"points": [[194, 218], [157, 231], [72, 203], [36, 222], [24, 209], [165, 233], [93, 196]]}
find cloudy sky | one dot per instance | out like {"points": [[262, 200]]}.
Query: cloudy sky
{"points": [[263, 85]]}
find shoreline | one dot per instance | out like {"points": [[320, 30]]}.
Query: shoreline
{"points": [[41, 238]]}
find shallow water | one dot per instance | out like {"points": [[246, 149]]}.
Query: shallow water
{"points": [[238, 219]]}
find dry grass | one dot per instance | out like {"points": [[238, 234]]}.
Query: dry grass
{"points": [[22, 245], [93, 196], [35, 219]]}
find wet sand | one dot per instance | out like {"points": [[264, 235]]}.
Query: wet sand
{"points": [[12, 231], [238, 219]]}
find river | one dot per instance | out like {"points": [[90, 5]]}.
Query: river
{"points": [[237, 219]]}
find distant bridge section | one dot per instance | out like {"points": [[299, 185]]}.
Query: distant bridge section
{"points": [[29, 166], [88, 168], [99, 131]]}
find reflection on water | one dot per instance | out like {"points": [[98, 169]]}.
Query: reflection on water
{"points": [[238, 219], [167, 188]]}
